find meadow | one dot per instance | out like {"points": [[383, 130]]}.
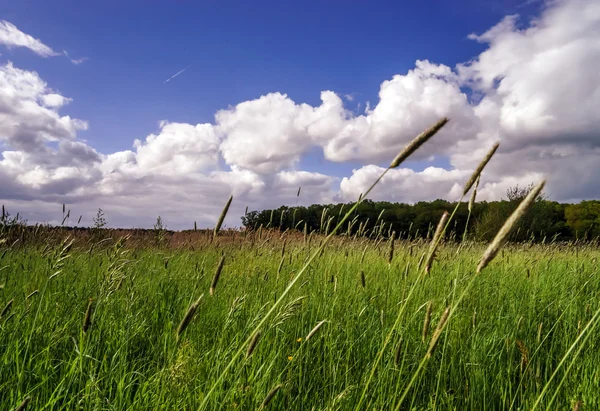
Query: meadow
{"points": [[506, 339], [264, 319]]}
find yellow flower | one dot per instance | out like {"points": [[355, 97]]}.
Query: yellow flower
{"points": [[290, 358], [299, 339]]}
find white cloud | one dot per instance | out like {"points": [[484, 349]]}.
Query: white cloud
{"points": [[536, 88], [54, 100], [79, 61], [11, 36], [404, 184]]}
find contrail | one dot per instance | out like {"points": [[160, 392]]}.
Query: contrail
{"points": [[176, 74]]}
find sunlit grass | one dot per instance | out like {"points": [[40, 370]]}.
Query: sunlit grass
{"points": [[505, 340]]}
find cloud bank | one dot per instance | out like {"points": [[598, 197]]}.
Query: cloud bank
{"points": [[536, 88]]}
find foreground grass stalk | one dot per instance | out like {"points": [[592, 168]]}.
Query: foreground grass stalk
{"points": [[489, 254], [222, 217], [407, 151]]}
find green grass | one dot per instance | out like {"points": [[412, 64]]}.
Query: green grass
{"points": [[130, 357]]}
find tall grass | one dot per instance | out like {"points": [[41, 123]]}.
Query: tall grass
{"points": [[130, 357], [463, 333]]}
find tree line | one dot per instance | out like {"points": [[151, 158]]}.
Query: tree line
{"points": [[546, 220]]}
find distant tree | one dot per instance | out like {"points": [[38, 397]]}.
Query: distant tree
{"points": [[583, 219], [516, 193]]}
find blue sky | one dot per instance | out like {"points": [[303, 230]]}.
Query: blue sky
{"points": [[239, 51]]}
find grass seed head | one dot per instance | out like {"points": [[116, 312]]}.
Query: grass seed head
{"points": [[314, 330], [473, 195], [397, 355], [187, 318], [391, 249], [417, 142], [438, 332], [7, 308], [253, 344], [436, 240], [475, 176], [509, 225], [87, 320], [34, 292], [427, 320], [215, 280], [23, 404], [270, 396], [222, 216]]}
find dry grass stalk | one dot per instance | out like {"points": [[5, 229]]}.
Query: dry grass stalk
{"points": [[475, 176], [578, 405], [417, 142], [215, 280], [23, 404], [253, 344], [270, 395], [34, 292], [539, 333], [87, 320], [438, 332], [222, 216], [436, 240], [427, 320], [314, 330], [7, 308], [509, 225], [187, 318]]}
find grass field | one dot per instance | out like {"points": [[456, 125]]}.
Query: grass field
{"points": [[532, 307], [263, 319]]}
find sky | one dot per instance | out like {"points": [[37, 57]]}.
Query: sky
{"points": [[150, 107]]}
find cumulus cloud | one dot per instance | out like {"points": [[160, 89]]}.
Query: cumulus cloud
{"points": [[273, 132], [535, 87], [11, 36]]}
